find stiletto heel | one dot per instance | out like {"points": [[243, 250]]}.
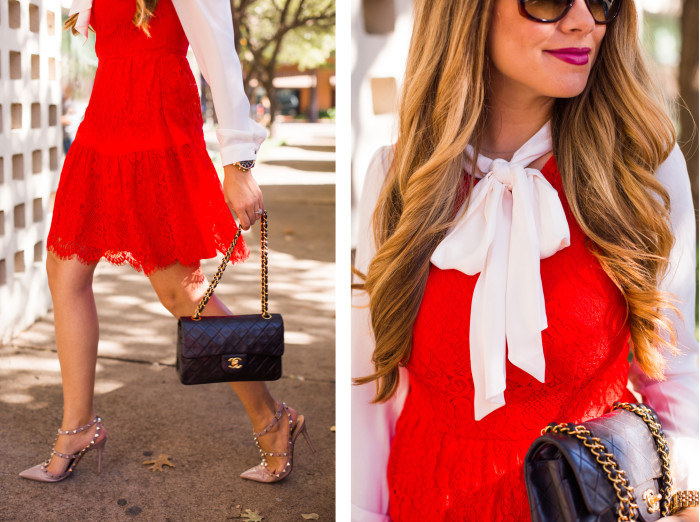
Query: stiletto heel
{"points": [[41, 474], [100, 446], [308, 439], [261, 472]]}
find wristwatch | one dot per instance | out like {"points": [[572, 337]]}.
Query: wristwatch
{"points": [[683, 499], [245, 166]]}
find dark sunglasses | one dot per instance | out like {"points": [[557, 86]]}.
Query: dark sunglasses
{"points": [[548, 11]]}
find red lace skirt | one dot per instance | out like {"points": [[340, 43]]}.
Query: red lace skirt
{"points": [[137, 184]]}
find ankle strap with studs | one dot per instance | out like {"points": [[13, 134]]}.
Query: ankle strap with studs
{"points": [[72, 456], [277, 417], [288, 453], [78, 430]]}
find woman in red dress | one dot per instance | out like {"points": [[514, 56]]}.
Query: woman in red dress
{"points": [[514, 244], [138, 187]]}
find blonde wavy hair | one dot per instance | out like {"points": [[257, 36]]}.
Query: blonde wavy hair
{"points": [[142, 17], [608, 143]]}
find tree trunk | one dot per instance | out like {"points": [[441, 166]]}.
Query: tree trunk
{"points": [[313, 99], [272, 95], [688, 83]]}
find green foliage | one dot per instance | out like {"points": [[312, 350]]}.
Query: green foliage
{"points": [[294, 32], [327, 114], [308, 47]]}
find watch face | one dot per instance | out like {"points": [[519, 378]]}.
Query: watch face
{"points": [[246, 165]]}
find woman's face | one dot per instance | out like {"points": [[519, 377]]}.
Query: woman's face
{"points": [[543, 59]]}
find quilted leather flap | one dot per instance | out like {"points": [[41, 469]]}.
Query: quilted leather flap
{"points": [[238, 334], [629, 438], [624, 434]]}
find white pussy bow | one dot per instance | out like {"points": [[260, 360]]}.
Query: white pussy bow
{"points": [[514, 218]]}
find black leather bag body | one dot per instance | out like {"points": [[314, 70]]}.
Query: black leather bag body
{"points": [[231, 348], [614, 467], [222, 349]]}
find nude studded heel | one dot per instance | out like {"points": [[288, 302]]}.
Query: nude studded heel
{"points": [[261, 472], [41, 474]]}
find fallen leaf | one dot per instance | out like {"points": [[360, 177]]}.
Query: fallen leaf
{"points": [[310, 516], [158, 463], [251, 516]]}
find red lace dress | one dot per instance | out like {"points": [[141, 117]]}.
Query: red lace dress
{"points": [[137, 184], [443, 464]]}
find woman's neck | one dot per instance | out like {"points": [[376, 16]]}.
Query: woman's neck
{"points": [[514, 115]]}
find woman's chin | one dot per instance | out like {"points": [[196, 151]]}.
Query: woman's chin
{"points": [[567, 89]]}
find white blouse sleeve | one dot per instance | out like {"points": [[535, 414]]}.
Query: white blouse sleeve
{"points": [[209, 29], [372, 424], [676, 399]]}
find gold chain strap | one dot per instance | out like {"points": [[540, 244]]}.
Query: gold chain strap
{"points": [[625, 492], [626, 510], [661, 448], [263, 271], [263, 266]]}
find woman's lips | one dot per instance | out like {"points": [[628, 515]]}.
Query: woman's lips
{"points": [[572, 55]]}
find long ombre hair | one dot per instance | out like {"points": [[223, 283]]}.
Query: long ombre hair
{"points": [[142, 17], [608, 142]]}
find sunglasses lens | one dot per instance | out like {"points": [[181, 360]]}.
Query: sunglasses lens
{"points": [[603, 10], [546, 9]]}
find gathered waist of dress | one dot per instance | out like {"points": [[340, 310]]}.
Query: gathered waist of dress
{"points": [[144, 52]]}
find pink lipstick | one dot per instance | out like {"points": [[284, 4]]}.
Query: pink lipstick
{"points": [[572, 55]]}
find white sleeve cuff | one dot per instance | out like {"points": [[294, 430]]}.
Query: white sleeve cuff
{"points": [[236, 145], [685, 456], [358, 514]]}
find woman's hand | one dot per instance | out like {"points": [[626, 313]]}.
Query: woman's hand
{"points": [[242, 195], [689, 514]]}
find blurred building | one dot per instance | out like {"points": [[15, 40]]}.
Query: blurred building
{"points": [[381, 31], [31, 155], [305, 93]]}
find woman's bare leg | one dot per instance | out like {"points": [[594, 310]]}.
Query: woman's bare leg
{"points": [[180, 288], [77, 333]]}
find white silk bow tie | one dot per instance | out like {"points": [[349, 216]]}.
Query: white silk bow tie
{"points": [[513, 220], [83, 7]]}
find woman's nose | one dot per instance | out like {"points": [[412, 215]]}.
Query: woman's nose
{"points": [[579, 18]]}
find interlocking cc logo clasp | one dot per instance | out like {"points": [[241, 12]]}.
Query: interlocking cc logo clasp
{"points": [[233, 363], [653, 500]]}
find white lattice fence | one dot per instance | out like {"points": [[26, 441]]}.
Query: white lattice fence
{"points": [[31, 154]]}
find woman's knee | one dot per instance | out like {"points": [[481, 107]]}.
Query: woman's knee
{"points": [[179, 289], [176, 301], [68, 273]]}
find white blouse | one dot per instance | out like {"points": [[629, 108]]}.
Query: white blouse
{"points": [[675, 399], [209, 29]]}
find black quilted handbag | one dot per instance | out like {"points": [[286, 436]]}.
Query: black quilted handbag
{"points": [[614, 467], [231, 348]]}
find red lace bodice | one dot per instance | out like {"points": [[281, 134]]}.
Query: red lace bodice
{"points": [[444, 465]]}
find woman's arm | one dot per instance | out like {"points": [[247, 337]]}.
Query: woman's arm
{"points": [[372, 424], [676, 399], [209, 28]]}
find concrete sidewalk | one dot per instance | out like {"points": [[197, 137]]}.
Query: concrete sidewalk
{"points": [[204, 429]]}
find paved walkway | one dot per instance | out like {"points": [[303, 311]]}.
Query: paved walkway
{"points": [[204, 430]]}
